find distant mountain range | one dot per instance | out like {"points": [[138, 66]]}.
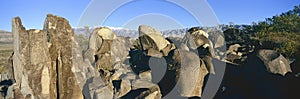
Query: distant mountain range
{"points": [[167, 33], [6, 36]]}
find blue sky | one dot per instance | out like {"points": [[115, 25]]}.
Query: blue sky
{"points": [[159, 13]]}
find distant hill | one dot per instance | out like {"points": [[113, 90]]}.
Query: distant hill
{"points": [[6, 37]]}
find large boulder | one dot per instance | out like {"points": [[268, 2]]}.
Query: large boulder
{"points": [[152, 41], [151, 38], [96, 88], [197, 41], [106, 49], [191, 75], [274, 62], [119, 51], [102, 46], [217, 38]]}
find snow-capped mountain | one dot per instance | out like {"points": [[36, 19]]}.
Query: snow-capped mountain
{"points": [[134, 33]]}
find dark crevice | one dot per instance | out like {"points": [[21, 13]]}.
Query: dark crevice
{"points": [[57, 79]]}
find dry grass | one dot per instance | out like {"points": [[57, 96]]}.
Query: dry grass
{"points": [[5, 52]]}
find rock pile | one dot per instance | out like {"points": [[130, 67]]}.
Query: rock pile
{"points": [[49, 63]]}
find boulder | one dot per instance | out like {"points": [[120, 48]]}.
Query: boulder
{"points": [[119, 50], [217, 38], [96, 88], [195, 38], [191, 76], [233, 48], [153, 89], [151, 38], [105, 49], [146, 75], [125, 87], [198, 42], [274, 62]]}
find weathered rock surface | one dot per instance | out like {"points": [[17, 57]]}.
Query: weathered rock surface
{"points": [[217, 38], [31, 72], [274, 62], [152, 41], [42, 61], [62, 78], [197, 41], [192, 73]]}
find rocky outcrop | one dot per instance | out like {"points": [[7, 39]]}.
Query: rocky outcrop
{"points": [[49, 63], [31, 72], [42, 61], [62, 78]]}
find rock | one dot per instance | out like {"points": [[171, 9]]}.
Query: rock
{"points": [[19, 35], [195, 38], [119, 50], [104, 62], [105, 33], [154, 95], [125, 87], [255, 73], [175, 40], [153, 89], [233, 48], [95, 41], [154, 53], [208, 64], [129, 76], [151, 38], [82, 69], [89, 55], [32, 58], [167, 49], [140, 83], [105, 49], [233, 57], [274, 62], [197, 41], [103, 93], [192, 73], [217, 39], [146, 75], [96, 88], [61, 37], [184, 47]]}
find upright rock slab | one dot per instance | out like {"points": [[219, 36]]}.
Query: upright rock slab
{"points": [[21, 58], [191, 74], [31, 62], [62, 79], [197, 40], [38, 70]]}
